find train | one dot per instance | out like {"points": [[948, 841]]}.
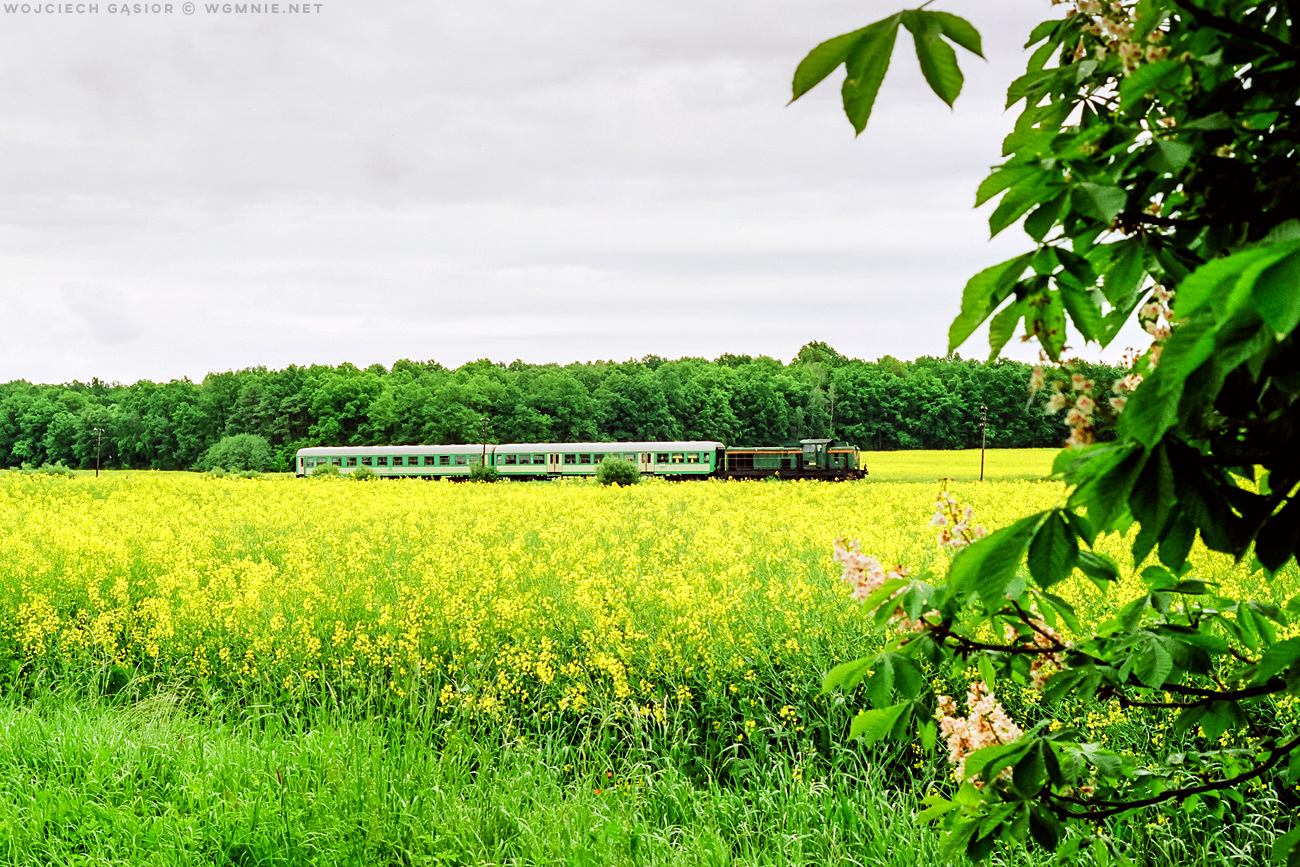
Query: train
{"points": [[688, 459]]}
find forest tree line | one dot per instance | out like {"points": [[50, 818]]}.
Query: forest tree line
{"points": [[929, 403]]}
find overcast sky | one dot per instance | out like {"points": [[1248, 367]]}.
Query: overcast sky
{"points": [[560, 181]]}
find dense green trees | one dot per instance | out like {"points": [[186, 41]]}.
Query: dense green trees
{"points": [[886, 404], [239, 453]]}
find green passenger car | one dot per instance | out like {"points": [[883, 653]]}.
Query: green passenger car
{"points": [[694, 459]]}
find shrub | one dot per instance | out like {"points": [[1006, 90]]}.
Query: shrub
{"points": [[617, 471], [324, 470], [363, 474], [58, 468], [218, 472], [239, 453], [483, 473]]}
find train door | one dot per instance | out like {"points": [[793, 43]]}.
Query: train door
{"points": [[646, 465], [553, 464]]}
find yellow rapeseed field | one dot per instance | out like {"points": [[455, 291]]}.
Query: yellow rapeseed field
{"points": [[500, 600]]}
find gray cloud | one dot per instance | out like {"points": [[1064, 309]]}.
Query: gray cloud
{"points": [[360, 184], [107, 311]]}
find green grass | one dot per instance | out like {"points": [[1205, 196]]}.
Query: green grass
{"points": [[166, 780], [959, 465], [175, 777]]}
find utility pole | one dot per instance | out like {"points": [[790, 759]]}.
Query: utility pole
{"points": [[984, 436], [99, 439], [483, 429]]}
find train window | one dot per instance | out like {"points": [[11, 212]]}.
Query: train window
{"points": [[595, 459], [570, 459], [584, 459], [461, 460], [538, 460], [381, 460], [338, 462], [367, 461], [352, 462], [692, 457], [444, 460], [661, 458], [474, 459], [525, 459], [677, 458], [510, 459], [309, 462]]}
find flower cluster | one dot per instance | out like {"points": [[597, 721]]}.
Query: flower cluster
{"points": [[986, 724], [865, 575], [1047, 641], [1157, 319], [862, 572], [1113, 24], [1078, 396], [956, 529]]}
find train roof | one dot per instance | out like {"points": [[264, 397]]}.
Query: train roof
{"points": [[693, 445], [832, 445], [470, 448], [477, 448]]}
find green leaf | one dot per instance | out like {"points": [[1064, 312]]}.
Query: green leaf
{"points": [[1211, 122], [987, 566], [1170, 156], [1048, 323], [1161, 75], [1125, 271], [986, 672], [1210, 285], [878, 723], [1045, 216], [936, 806], [1002, 327], [959, 30], [1287, 848], [927, 734], [1065, 609], [1278, 657], [1098, 567], [1277, 290], [1004, 178], [1030, 773], [1043, 30], [847, 675], [938, 60], [1025, 195], [1084, 312], [1279, 538], [993, 758], [1053, 551], [982, 295], [880, 686], [822, 60], [1154, 663], [1102, 201], [867, 62], [1222, 716]]}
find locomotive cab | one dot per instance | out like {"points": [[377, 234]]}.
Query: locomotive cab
{"points": [[816, 454]]}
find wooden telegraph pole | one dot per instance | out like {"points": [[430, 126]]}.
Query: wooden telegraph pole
{"points": [[984, 436], [99, 439]]}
